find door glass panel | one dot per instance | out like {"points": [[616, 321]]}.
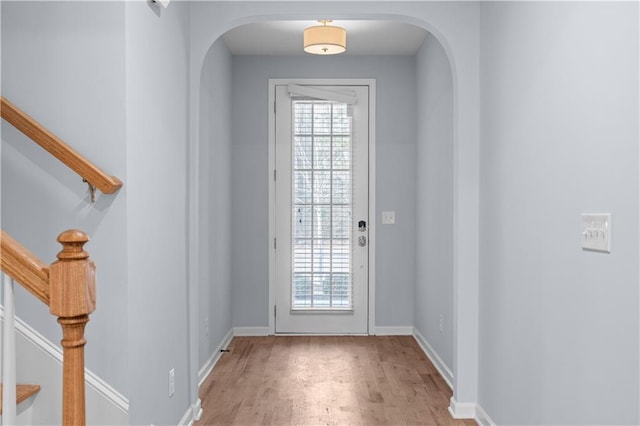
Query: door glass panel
{"points": [[322, 206]]}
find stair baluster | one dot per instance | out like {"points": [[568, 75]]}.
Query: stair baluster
{"points": [[8, 354]]}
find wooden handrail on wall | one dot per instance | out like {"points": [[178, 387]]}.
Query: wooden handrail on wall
{"points": [[56, 147], [67, 286]]}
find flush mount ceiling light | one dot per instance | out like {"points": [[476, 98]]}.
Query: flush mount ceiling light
{"points": [[325, 39], [163, 3]]}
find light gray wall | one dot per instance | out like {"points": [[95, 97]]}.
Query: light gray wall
{"points": [[63, 63], [157, 78], [559, 137], [42, 365], [215, 201], [434, 200], [395, 175], [456, 25]]}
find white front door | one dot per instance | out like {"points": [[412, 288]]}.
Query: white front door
{"points": [[321, 209]]}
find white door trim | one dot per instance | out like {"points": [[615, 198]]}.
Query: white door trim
{"points": [[372, 185]]}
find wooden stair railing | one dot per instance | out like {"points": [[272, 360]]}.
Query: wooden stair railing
{"points": [[68, 288], [56, 147], [25, 268]]}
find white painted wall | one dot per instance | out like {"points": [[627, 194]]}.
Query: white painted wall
{"points": [[434, 200], [559, 114], [215, 201], [395, 177]]}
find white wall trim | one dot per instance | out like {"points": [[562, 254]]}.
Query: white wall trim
{"points": [[271, 130], [404, 330], [205, 370], [197, 409], [251, 331], [193, 414], [91, 379], [435, 359], [482, 418], [462, 410], [373, 95]]}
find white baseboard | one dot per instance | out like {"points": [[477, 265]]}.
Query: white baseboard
{"points": [[215, 356], [394, 331], [197, 409], [442, 368], [482, 418], [91, 379], [462, 410], [193, 414], [378, 331], [250, 331]]}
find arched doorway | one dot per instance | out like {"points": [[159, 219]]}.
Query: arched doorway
{"points": [[460, 48]]}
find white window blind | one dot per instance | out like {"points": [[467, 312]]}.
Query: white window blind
{"points": [[344, 96], [322, 204]]}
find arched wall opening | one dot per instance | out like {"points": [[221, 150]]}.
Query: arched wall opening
{"points": [[217, 221]]}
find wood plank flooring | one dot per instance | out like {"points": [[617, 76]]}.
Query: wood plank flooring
{"points": [[325, 380]]}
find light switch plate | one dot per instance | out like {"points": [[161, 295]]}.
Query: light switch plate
{"points": [[388, 218], [596, 232]]}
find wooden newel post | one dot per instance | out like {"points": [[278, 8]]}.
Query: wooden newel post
{"points": [[72, 298]]}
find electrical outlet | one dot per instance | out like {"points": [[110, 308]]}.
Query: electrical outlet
{"points": [[441, 323], [172, 382]]}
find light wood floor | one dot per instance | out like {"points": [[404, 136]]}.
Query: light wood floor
{"points": [[325, 380]]}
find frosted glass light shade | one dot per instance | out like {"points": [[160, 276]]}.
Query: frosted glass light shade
{"points": [[325, 40]]}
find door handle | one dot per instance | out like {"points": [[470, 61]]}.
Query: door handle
{"points": [[362, 241]]}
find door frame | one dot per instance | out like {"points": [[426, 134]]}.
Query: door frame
{"points": [[371, 83]]}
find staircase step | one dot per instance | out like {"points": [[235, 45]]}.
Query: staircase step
{"points": [[22, 392]]}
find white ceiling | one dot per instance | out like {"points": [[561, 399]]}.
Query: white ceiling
{"points": [[363, 38]]}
